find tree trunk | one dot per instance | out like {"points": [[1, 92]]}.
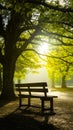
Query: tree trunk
{"points": [[53, 80], [63, 85], [0, 81], [8, 74]]}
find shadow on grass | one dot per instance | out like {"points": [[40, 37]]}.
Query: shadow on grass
{"points": [[4, 102], [24, 119], [19, 121]]}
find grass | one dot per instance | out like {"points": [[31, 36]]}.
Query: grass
{"points": [[62, 89]]}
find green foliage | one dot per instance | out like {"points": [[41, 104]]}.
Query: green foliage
{"points": [[23, 23], [27, 61], [60, 62]]}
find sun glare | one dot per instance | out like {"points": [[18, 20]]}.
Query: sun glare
{"points": [[44, 48]]}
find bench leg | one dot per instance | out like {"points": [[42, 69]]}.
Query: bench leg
{"points": [[20, 102], [28, 101], [51, 104], [42, 105]]}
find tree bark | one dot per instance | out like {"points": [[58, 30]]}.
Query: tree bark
{"points": [[8, 74], [63, 85], [53, 80], [0, 81]]}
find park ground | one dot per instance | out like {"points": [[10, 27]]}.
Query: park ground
{"points": [[11, 117]]}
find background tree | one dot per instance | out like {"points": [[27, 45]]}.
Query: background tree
{"points": [[21, 22], [1, 77], [27, 62], [60, 64]]}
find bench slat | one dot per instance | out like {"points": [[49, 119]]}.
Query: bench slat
{"points": [[31, 84], [32, 90], [31, 96], [37, 96]]}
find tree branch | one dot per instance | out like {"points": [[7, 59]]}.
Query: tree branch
{"points": [[47, 5], [56, 34]]}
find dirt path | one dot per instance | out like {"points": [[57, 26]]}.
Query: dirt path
{"points": [[31, 118]]}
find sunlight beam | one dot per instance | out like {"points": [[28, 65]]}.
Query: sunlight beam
{"points": [[44, 48]]}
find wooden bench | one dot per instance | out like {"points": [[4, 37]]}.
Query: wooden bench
{"points": [[35, 90]]}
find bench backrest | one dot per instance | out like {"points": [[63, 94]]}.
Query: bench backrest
{"points": [[40, 87]]}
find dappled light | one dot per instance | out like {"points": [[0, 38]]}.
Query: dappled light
{"points": [[12, 117]]}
